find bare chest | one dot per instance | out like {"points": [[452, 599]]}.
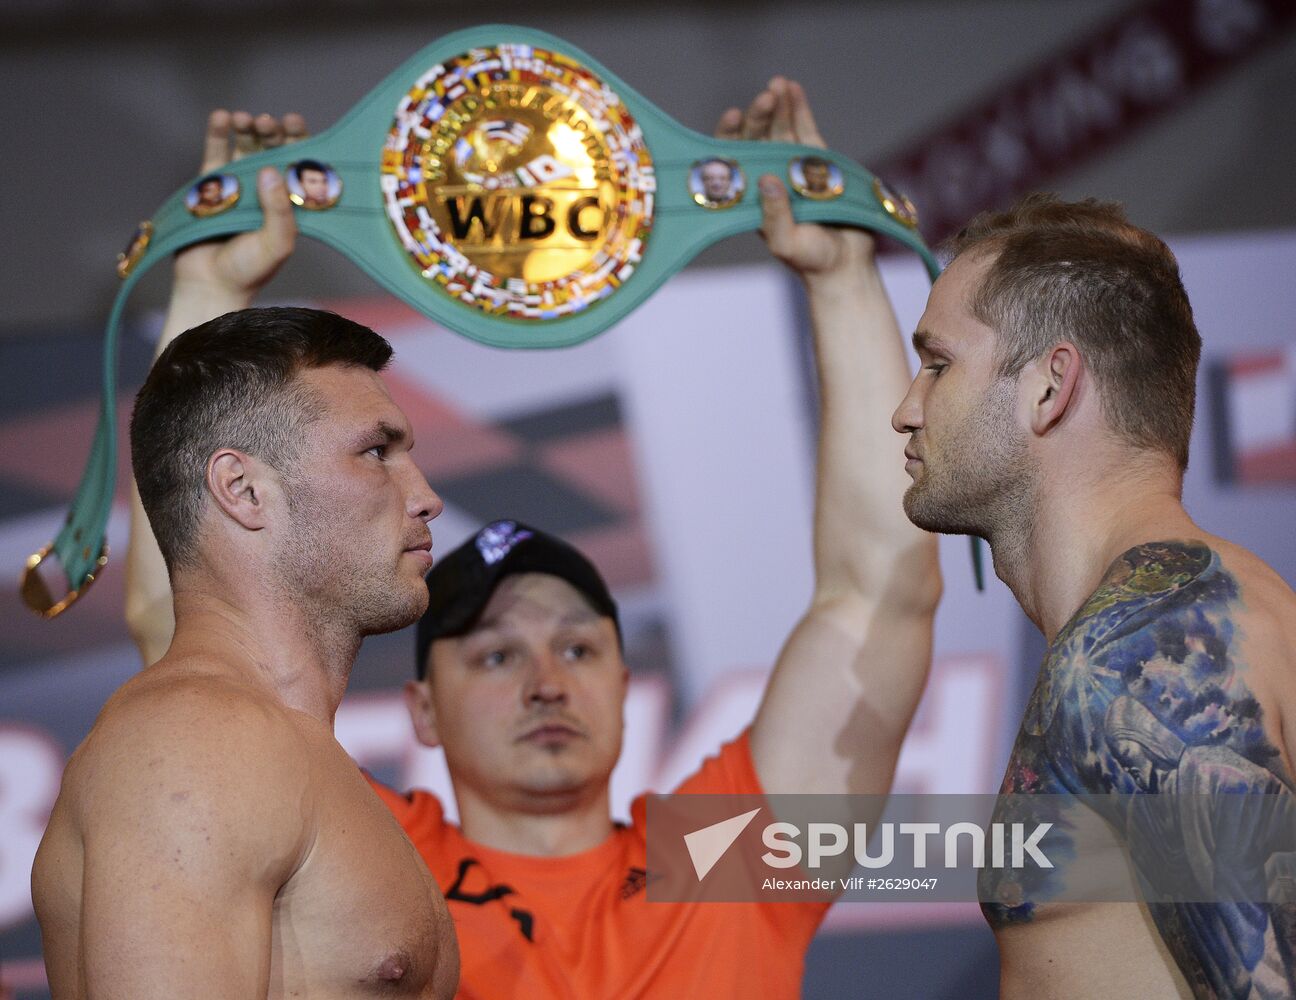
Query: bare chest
{"points": [[1155, 726], [1075, 951], [362, 915]]}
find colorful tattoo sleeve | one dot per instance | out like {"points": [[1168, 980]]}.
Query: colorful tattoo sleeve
{"points": [[1144, 693]]}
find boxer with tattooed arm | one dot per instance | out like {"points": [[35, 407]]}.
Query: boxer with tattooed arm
{"points": [[1051, 416]]}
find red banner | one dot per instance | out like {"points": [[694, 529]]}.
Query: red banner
{"points": [[1078, 103]]}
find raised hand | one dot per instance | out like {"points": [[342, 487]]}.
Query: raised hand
{"points": [[211, 279], [781, 113], [232, 271]]}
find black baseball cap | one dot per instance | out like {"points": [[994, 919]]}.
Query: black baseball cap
{"points": [[460, 584]]}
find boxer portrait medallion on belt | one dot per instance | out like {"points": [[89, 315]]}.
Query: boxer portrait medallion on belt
{"points": [[518, 182]]}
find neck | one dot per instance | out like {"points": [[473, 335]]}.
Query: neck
{"points": [[1081, 520], [304, 659], [542, 825]]}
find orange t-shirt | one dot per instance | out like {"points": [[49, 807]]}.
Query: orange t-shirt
{"points": [[581, 927]]}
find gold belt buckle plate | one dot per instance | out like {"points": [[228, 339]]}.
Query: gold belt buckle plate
{"points": [[36, 593]]}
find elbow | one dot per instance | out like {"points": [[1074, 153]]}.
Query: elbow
{"points": [[150, 624], [913, 574], [138, 617], [903, 575], [929, 584]]}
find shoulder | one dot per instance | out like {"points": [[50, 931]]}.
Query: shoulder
{"points": [[1157, 579], [1152, 580], [1202, 603], [1161, 625], [1186, 629], [729, 771], [1267, 602], [192, 715], [1155, 599], [215, 750], [1266, 622]]}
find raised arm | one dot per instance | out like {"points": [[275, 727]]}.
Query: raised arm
{"points": [[194, 811], [211, 279], [849, 678]]}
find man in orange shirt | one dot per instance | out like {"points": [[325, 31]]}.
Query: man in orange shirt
{"points": [[521, 681], [524, 686]]}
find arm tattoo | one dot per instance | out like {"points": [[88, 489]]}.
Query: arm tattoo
{"points": [[1142, 693]]}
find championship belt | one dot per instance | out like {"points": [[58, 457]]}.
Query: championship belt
{"points": [[507, 186]]}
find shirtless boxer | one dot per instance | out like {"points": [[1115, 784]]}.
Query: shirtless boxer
{"points": [[1051, 416], [527, 693], [211, 838]]}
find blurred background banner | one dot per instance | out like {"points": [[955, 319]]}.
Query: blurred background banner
{"points": [[1084, 98], [677, 450]]}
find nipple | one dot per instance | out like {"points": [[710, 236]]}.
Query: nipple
{"points": [[393, 968]]}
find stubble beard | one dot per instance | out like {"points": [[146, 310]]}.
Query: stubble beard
{"points": [[982, 482], [338, 580]]}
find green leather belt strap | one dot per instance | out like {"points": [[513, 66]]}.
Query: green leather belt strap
{"points": [[507, 186]]}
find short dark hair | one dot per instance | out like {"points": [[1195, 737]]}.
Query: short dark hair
{"points": [[1081, 271], [231, 383], [315, 165]]}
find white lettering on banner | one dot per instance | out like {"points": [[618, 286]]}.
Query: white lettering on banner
{"points": [[1030, 845], [1076, 103], [31, 768], [830, 840], [1229, 25], [920, 832], [784, 851], [820, 848], [1006, 147], [975, 835], [883, 859], [1145, 66], [1142, 66], [1070, 109]]}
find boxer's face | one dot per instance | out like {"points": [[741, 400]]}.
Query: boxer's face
{"points": [[314, 185], [529, 705], [353, 538], [717, 181], [967, 452], [210, 193], [816, 177]]}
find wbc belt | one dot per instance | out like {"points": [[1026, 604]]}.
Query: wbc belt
{"points": [[507, 186]]}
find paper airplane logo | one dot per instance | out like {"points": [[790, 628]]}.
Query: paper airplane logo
{"points": [[708, 845]]}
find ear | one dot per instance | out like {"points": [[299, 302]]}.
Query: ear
{"points": [[422, 713], [237, 484], [1057, 374]]}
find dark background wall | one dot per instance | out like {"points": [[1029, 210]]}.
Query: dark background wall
{"points": [[104, 104]]}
